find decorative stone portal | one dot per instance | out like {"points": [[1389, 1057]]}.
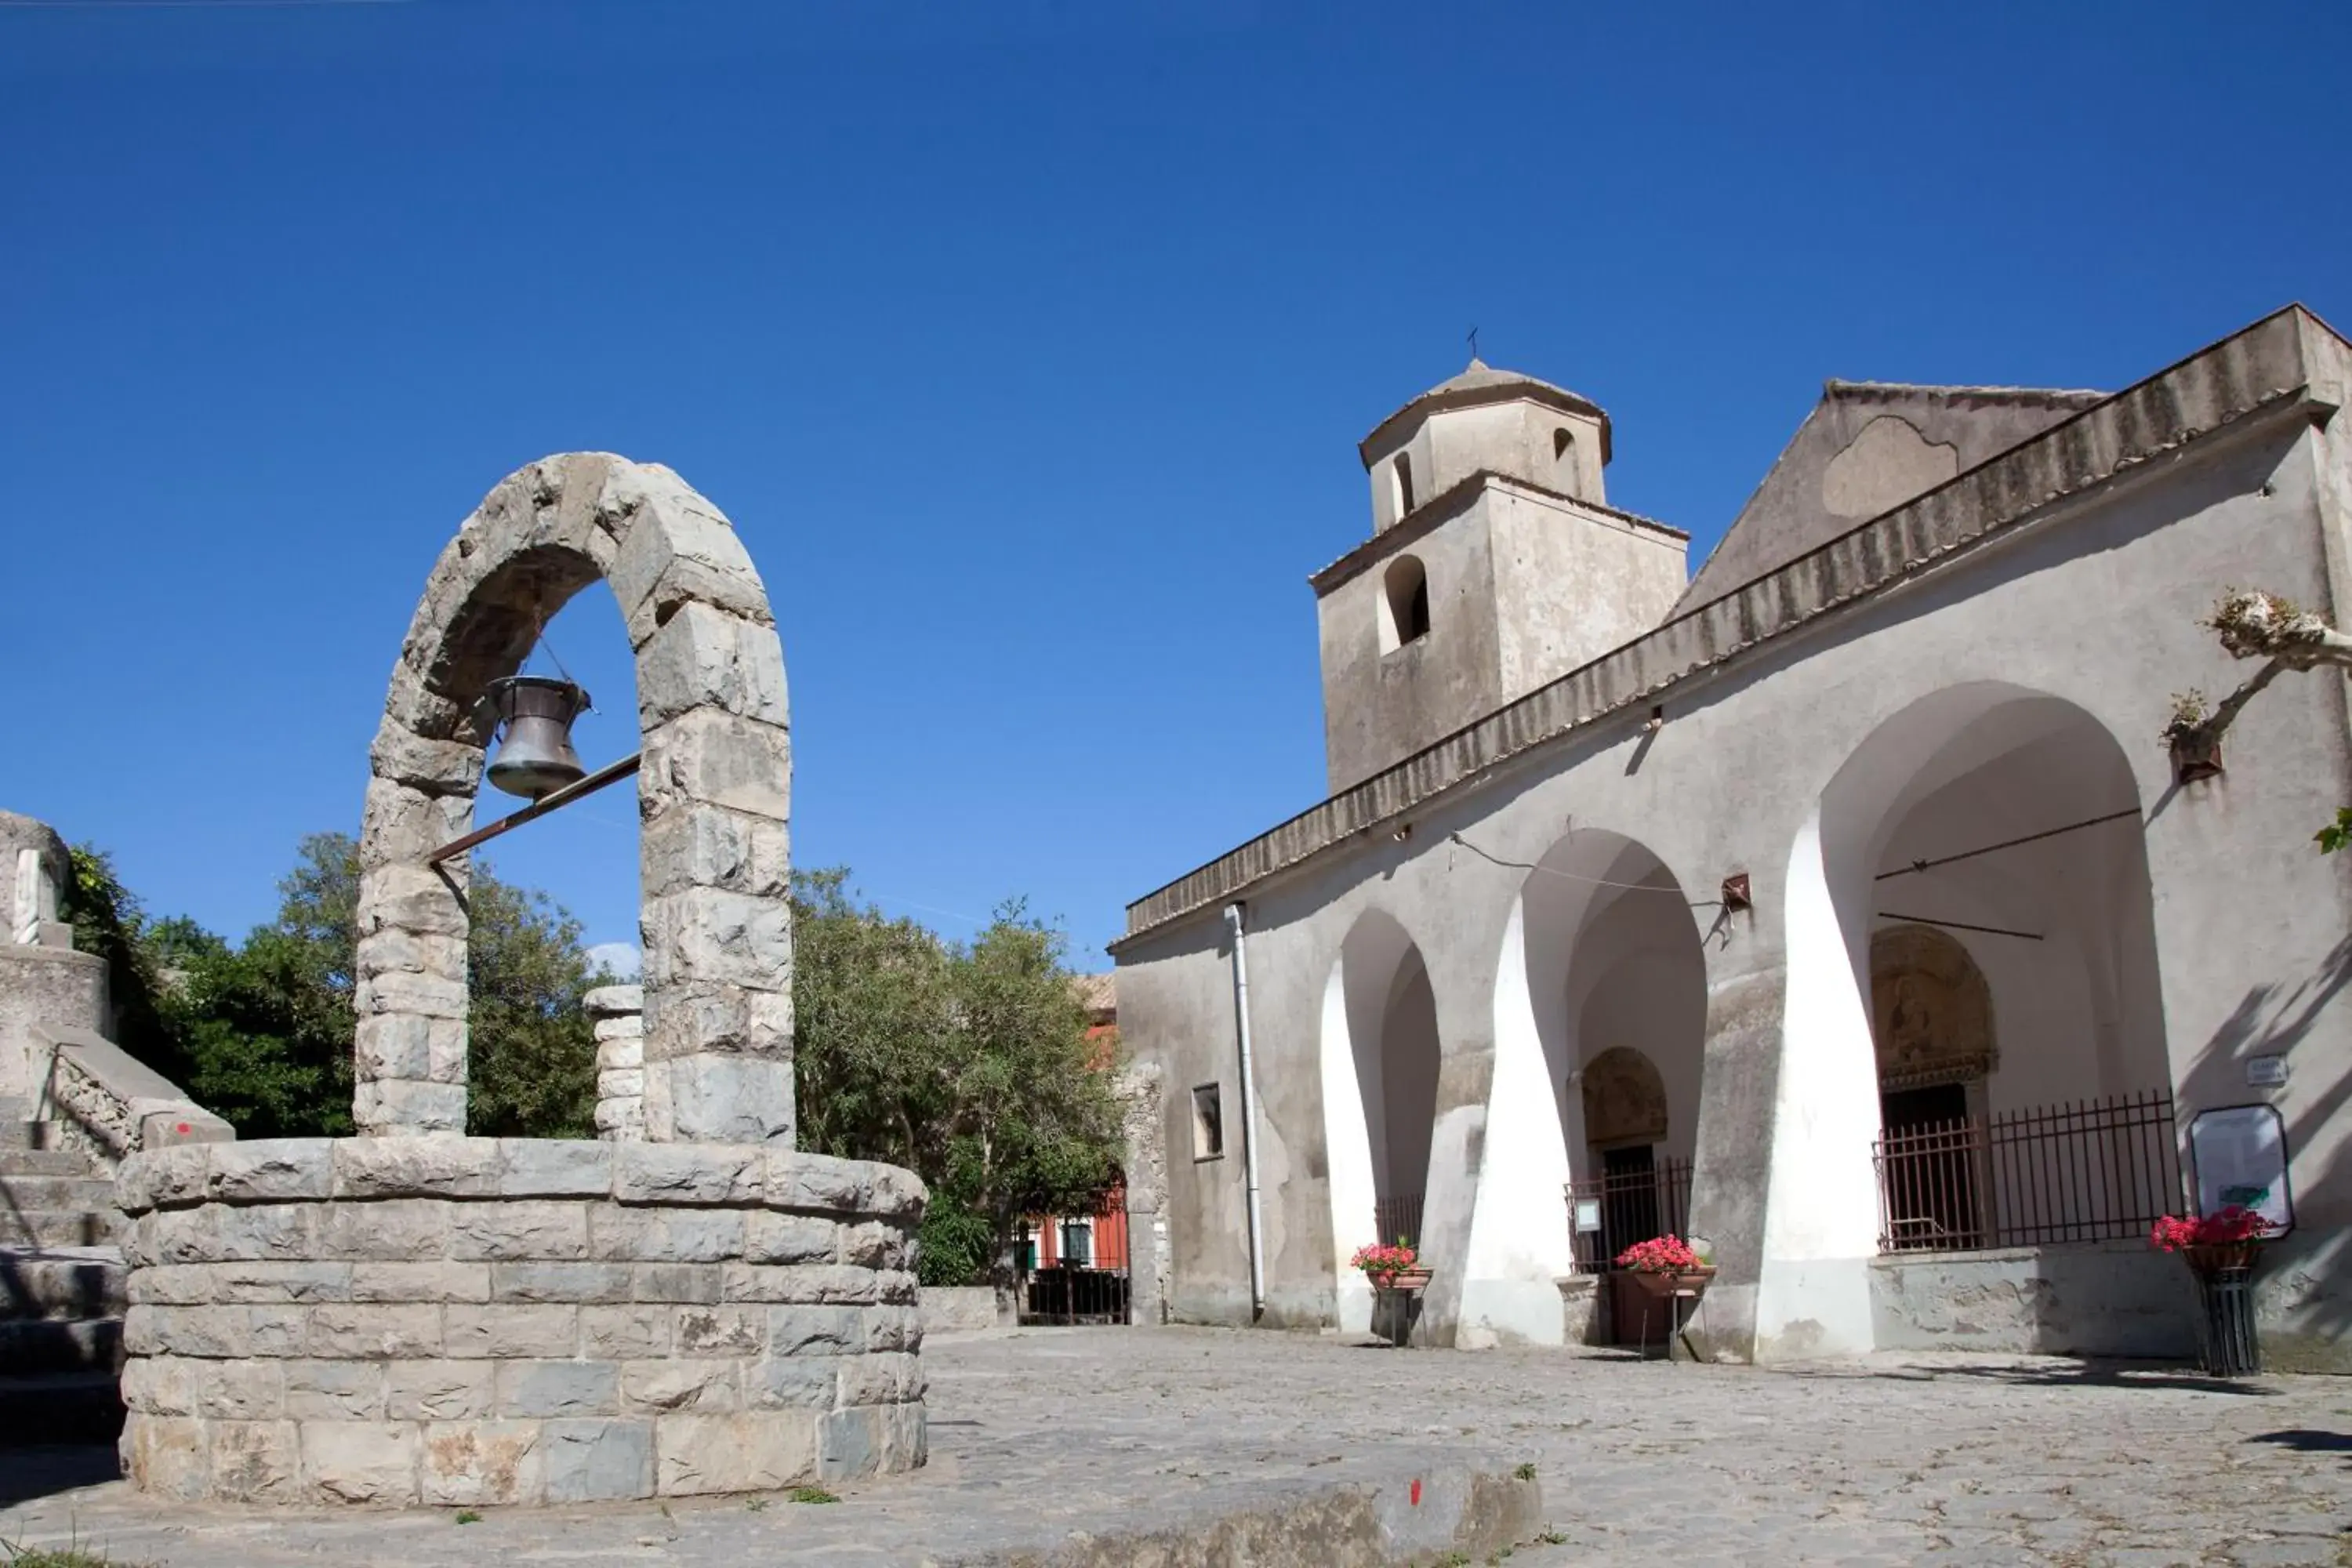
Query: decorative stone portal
{"points": [[689, 1306]]}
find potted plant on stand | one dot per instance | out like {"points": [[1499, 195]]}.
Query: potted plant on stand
{"points": [[1669, 1273], [1397, 1279], [2221, 1250]]}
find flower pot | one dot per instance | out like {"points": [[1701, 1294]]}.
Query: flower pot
{"points": [[2227, 1345], [1647, 1307], [1395, 1310], [1688, 1283], [1402, 1279]]}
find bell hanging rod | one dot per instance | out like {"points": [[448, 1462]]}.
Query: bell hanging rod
{"points": [[612, 773]]}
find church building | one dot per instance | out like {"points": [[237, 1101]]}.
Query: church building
{"points": [[1840, 905]]}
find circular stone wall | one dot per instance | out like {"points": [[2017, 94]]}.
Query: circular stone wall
{"points": [[446, 1321]]}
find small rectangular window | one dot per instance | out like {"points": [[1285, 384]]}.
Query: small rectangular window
{"points": [[1208, 1124]]}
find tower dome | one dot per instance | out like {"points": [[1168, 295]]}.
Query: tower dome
{"points": [[1486, 421]]}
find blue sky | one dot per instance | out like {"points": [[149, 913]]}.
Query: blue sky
{"points": [[1027, 345]]}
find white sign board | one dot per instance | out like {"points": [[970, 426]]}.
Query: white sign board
{"points": [[2265, 1072], [2239, 1156], [1588, 1215]]}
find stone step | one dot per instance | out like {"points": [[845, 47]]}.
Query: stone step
{"points": [[82, 1192], [16, 1134], [31, 1349], [59, 1407], [59, 1227], [44, 1163], [61, 1282]]}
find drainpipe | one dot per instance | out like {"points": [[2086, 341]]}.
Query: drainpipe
{"points": [[1249, 1110]]}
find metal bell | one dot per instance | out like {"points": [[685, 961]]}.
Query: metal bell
{"points": [[534, 715]]}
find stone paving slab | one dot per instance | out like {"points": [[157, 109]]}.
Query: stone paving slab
{"points": [[1039, 1436]]}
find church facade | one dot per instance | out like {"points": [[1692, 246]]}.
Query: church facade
{"points": [[1840, 905]]}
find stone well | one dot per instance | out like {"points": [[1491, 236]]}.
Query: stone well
{"points": [[447, 1321]]}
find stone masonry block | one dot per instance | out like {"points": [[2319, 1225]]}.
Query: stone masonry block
{"points": [[393, 1231], [665, 1234], [399, 1107], [686, 1173], [399, 821], [422, 995], [670, 1384], [806, 1283], [439, 1390], [335, 1390], [477, 1464], [711, 846], [707, 756], [623, 1055], [239, 1390], [433, 767], [430, 1166], [402, 1046], [755, 1450], [692, 556], [828, 1330], [168, 1456], [216, 1333], [612, 1004], [897, 1286], [360, 1461], [622, 1083], [876, 1243], [567, 1388], [819, 1184], [709, 936], [905, 1436], [392, 951], [256, 1461], [881, 1379], [631, 1332], [848, 1445], [510, 1329], [703, 658], [238, 1234], [555, 1168], [407, 895], [258, 1284], [597, 1461], [737, 1332], [685, 1283], [893, 1328], [725, 1099], [602, 1282], [375, 1332], [519, 1229], [771, 1238], [410, 1283], [807, 1381], [271, 1170]]}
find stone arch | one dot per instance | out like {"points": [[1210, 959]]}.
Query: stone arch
{"points": [[713, 798]]}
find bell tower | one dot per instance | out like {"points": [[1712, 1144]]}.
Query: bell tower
{"points": [[1494, 566]]}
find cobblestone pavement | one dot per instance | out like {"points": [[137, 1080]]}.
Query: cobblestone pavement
{"points": [[1039, 1433]]}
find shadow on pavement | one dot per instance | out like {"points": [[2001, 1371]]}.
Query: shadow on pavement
{"points": [[30, 1473], [2308, 1440]]}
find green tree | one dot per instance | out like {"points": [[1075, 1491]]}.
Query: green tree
{"points": [[968, 1064], [262, 1033]]}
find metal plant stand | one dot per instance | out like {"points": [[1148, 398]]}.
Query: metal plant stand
{"points": [[2227, 1345]]}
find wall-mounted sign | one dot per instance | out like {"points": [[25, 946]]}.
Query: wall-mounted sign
{"points": [[2265, 1072], [1588, 1215], [2239, 1156]]}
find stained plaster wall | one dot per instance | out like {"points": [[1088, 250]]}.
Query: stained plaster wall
{"points": [[2097, 604]]}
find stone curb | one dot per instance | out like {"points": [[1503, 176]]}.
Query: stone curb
{"points": [[441, 1165]]}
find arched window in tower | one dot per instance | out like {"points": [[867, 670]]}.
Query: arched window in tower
{"points": [[1563, 461], [1400, 485], [1405, 604]]}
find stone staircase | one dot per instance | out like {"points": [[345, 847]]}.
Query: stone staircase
{"points": [[61, 1279]]}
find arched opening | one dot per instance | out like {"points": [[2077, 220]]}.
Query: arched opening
{"points": [[1617, 979], [1400, 497], [1974, 1040], [712, 797], [1404, 604], [1381, 1055], [1563, 460]]}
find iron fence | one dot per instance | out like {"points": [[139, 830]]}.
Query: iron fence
{"points": [[2093, 1170], [1061, 1294], [1635, 1206], [1398, 1218]]}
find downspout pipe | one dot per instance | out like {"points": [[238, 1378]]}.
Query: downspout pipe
{"points": [[1236, 924]]}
